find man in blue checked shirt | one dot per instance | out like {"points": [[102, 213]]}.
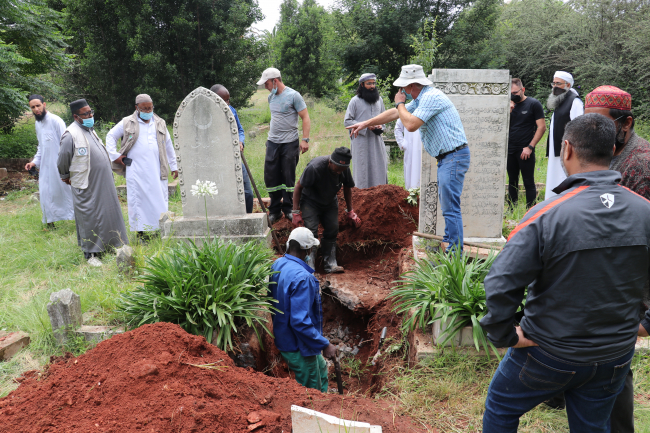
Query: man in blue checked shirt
{"points": [[298, 329], [443, 137], [248, 191]]}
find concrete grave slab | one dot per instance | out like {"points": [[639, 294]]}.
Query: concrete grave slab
{"points": [[98, 333], [11, 343], [305, 420]]}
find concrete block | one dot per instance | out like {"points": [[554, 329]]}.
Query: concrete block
{"points": [[64, 310], [242, 228], [98, 333], [420, 346], [256, 204], [172, 188], [305, 420], [11, 343], [125, 259], [121, 190], [3, 173]]}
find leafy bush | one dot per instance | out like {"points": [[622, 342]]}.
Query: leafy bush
{"points": [[446, 287], [208, 290], [21, 143]]}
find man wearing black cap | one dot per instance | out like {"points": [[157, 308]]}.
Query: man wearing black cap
{"points": [[85, 165], [55, 196], [315, 201]]}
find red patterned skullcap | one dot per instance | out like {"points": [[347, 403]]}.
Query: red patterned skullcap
{"points": [[609, 97]]}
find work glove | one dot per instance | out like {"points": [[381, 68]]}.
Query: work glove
{"points": [[355, 219], [297, 221]]}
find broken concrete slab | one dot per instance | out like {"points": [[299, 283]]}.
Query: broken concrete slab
{"points": [[305, 420], [64, 310], [354, 294], [11, 343], [98, 333]]}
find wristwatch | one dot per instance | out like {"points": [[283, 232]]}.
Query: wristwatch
{"points": [[531, 147], [397, 105], [306, 140]]}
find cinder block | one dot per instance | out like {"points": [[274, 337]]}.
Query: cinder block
{"points": [[11, 343], [305, 420]]}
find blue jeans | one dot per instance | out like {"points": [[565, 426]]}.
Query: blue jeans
{"points": [[530, 376], [451, 176], [248, 191]]}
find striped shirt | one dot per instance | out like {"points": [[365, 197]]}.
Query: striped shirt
{"points": [[442, 130]]}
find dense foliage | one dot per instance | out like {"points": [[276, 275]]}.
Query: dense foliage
{"points": [[209, 290]]}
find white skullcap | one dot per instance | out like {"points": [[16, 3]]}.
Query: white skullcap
{"points": [[562, 75], [304, 237], [143, 98]]}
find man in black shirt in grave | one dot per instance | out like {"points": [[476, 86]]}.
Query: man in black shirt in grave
{"points": [[527, 126], [315, 201]]}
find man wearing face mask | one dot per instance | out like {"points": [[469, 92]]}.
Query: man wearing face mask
{"points": [[145, 156], [282, 146], [84, 164], [368, 151], [566, 106], [315, 202], [527, 126]]}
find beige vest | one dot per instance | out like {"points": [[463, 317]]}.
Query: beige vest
{"points": [[80, 164], [131, 127]]}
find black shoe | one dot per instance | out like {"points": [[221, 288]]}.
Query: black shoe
{"points": [[274, 217], [557, 402], [289, 216]]}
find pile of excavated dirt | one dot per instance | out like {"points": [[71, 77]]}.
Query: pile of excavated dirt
{"points": [[158, 378]]}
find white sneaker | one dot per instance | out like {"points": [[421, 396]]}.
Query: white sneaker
{"points": [[94, 261]]}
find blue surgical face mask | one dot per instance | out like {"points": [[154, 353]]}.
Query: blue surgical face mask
{"points": [[307, 258], [274, 91], [408, 95], [88, 123], [145, 116]]}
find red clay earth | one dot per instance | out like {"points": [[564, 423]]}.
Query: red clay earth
{"points": [[151, 380]]}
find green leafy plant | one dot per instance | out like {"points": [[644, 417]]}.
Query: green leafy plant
{"points": [[449, 288], [208, 290], [412, 198]]}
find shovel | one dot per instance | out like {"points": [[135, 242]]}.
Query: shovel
{"points": [[337, 369], [382, 337]]}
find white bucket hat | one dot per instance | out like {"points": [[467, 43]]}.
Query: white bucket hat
{"points": [[304, 237], [412, 74], [268, 74]]}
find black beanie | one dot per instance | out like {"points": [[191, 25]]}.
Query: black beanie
{"points": [[77, 105], [341, 157]]}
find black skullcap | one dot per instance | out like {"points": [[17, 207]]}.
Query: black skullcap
{"points": [[35, 96], [341, 157], [77, 105]]}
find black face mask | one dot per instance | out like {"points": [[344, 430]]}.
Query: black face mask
{"points": [[558, 91], [515, 98]]}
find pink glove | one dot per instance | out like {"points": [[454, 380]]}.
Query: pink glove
{"points": [[297, 221], [355, 219]]}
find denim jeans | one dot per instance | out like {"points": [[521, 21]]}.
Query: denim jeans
{"points": [[527, 377], [248, 191], [451, 176]]}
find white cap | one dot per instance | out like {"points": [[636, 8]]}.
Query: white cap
{"points": [[304, 237], [562, 75], [412, 74], [268, 74]]}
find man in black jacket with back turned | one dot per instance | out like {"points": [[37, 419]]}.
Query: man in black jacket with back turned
{"points": [[584, 256]]}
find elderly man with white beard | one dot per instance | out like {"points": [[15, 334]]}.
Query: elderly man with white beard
{"points": [[566, 106]]}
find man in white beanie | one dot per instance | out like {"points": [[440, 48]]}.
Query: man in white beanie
{"points": [[443, 137], [145, 156], [566, 106], [283, 146], [299, 330]]}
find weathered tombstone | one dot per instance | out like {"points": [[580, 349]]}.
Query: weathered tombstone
{"points": [[207, 149], [482, 98], [64, 310], [125, 259]]}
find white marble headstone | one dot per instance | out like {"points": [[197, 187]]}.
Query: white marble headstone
{"points": [[482, 98], [207, 149]]}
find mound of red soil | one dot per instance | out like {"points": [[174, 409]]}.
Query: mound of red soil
{"points": [[158, 378]]}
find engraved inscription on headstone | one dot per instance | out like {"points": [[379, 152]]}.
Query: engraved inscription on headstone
{"points": [[207, 149], [482, 98]]}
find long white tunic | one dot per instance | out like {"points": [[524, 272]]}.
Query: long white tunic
{"points": [[411, 144], [554, 174], [55, 196], [147, 195]]}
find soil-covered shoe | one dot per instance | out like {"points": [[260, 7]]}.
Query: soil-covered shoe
{"points": [[335, 270], [289, 216], [275, 217]]}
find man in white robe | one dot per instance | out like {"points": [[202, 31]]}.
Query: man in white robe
{"points": [[411, 144], [145, 154], [566, 106], [369, 159], [54, 195]]}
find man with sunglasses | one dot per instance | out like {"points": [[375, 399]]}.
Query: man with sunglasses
{"points": [[145, 157], [85, 165]]}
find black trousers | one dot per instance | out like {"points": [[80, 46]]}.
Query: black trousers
{"points": [[328, 216], [280, 174], [527, 168]]}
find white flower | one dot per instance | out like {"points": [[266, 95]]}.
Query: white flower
{"points": [[203, 189]]}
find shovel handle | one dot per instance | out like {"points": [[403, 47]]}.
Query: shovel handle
{"points": [[337, 369]]}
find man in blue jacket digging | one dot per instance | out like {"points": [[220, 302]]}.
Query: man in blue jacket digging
{"points": [[299, 330]]}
